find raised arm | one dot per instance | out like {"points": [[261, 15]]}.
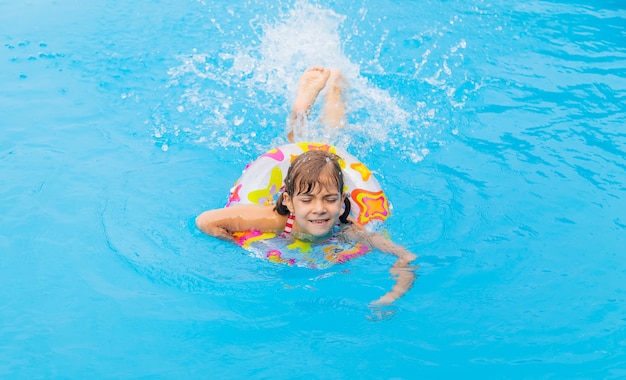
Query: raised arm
{"points": [[222, 222]]}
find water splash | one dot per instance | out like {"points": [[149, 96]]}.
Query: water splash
{"points": [[240, 96]]}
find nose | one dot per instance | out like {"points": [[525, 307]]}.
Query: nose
{"points": [[319, 207]]}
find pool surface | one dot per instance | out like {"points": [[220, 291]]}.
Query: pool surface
{"points": [[496, 129]]}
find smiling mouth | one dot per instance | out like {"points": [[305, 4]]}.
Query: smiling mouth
{"points": [[319, 221]]}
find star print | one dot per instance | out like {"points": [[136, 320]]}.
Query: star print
{"points": [[372, 205], [275, 154], [302, 246], [365, 172], [245, 238], [234, 195], [265, 195], [306, 146]]}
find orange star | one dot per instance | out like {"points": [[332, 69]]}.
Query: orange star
{"points": [[372, 205]]}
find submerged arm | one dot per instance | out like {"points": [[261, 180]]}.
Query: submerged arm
{"points": [[404, 276], [401, 271]]}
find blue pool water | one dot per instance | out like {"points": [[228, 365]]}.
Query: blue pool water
{"points": [[497, 130]]}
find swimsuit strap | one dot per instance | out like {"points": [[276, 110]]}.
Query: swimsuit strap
{"points": [[289, 225]]}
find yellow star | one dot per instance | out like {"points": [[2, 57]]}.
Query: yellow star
{"points": [[265, 196], [361, 168], [302, 246]]}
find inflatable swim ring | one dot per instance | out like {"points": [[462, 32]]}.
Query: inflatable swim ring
{"points": [[262, 181]]}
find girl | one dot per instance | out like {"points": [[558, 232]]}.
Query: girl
{"points": [[312, 206]]}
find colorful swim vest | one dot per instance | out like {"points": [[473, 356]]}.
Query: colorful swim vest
{"points": [[261, 182]]}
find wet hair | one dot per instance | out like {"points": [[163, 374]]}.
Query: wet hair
{"points": [[308, 171]]}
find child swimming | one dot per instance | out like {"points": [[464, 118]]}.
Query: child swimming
{"points": [[313, 206]]}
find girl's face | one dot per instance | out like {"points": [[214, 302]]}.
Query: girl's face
{"points": [[316, 212]]}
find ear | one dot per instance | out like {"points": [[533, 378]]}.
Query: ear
{"points": [[346, 210], [344, 196], [288, 202]]}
